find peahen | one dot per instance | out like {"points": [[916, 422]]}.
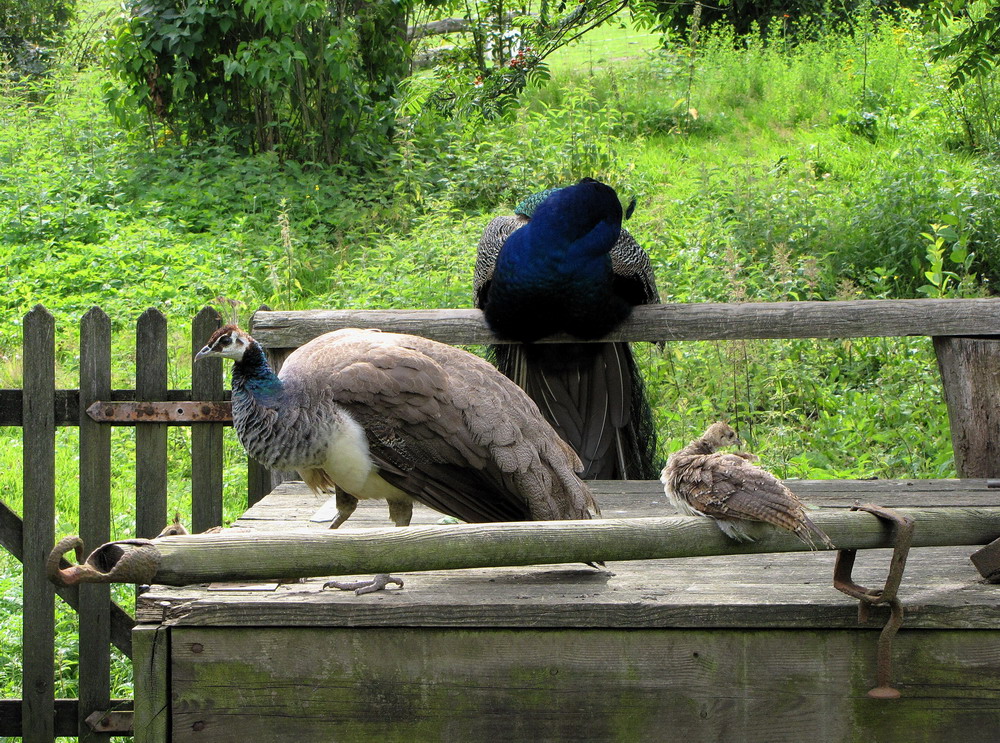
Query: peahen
{"points": [[564, 264], [732, 490], [381, 415]]}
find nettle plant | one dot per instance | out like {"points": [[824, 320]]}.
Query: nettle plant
{"points": [[309, 79]]}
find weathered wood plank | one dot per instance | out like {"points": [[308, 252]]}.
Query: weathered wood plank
{"points": [[941, 590], [152, 690], [206, 440], [274, 684], [95, 517], [969, 372], [670, 322], [38, 466], [151, 440]]}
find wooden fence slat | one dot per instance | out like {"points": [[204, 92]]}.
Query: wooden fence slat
{"points": [[206, 439], [38, 648], [260, 480], [670, 322], [95, 517], [151, 438]]}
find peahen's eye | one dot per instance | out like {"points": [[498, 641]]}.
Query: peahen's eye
{"points": [[225, 340]]}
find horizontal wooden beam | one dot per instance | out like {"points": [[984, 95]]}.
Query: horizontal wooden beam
{"points": [[67, 712], [669, 322], [238, 556], [169, 413]]}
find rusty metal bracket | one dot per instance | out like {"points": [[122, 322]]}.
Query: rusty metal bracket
{"points": [[169, 413], [111, 722], [868, 597]]}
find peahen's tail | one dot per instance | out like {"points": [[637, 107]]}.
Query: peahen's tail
{"points": [[594, 396]]}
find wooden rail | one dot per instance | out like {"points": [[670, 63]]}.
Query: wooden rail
{"points": [[670, 322]]}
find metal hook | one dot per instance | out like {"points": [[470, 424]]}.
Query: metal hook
{"points": [[868, 597]]}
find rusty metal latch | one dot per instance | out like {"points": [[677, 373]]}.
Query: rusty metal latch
{"points": [[842, 581], [170, 413]]}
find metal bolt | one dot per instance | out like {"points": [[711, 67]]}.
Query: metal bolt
{"points": [[197, 647]]}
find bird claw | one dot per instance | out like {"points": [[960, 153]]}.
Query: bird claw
{"points": [[378, 583]]}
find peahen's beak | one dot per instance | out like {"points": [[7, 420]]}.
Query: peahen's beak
{"points": [[203, 353]]}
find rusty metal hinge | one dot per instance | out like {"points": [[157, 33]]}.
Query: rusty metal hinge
{"points": [[868, 597], [170, 413], [110, 722]]}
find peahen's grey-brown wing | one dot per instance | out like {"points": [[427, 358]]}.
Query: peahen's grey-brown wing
{"points": [[446, 428]]}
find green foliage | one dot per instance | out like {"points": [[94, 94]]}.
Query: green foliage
{"points": [[28, 30], [303, 78]]}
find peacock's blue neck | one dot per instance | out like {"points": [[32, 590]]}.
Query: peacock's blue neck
{"points": [[253, 376]]}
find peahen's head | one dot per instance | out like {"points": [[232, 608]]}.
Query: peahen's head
{"points": [[720, 434], [228, 342]]}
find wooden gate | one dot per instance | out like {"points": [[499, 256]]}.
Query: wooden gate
{"points": [[38, 408]]}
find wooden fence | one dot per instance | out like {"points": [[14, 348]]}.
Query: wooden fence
{"points": [[38, 409], [965, 336]]}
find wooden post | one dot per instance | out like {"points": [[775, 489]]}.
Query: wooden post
{"points": [[152, 698], [260, 480], [970, 373], [95, 517], [206, 438], [151, 438], [39, 452]]}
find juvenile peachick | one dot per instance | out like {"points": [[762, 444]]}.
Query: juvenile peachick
{"points": [[564, 264], [732, 490], [382, 415]]}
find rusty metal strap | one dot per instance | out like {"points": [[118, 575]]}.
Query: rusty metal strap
{"points": [[868, 597], [169, 413]]}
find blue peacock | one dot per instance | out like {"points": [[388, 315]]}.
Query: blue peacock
{"points": [[564, 264]]}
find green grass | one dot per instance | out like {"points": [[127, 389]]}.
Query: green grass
{"points": [[762, 173]]}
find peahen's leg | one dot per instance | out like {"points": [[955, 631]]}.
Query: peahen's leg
{"points": [[401, 511], [346, 503]]}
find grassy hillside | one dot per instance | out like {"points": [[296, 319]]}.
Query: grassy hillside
{"points": [[763, 172]]}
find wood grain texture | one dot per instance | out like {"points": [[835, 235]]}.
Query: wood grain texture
{"points": [[151, 439], [95, 518], [940, 588], [38, 467], [970, 372], [786, 686], [150, 678], [206, 439], [669, 322]]}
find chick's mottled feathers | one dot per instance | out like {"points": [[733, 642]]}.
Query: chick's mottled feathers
{"points": [[731, 489], [434, 422]]}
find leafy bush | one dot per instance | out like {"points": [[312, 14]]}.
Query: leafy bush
{"points": [[310, 81], [28, 30]]}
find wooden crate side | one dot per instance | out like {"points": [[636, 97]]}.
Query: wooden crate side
{"points": [[38, 535], [279, 684], [95, 518], [151, 644]]}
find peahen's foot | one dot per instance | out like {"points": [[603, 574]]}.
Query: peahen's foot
{"points": [[378, 583]]}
